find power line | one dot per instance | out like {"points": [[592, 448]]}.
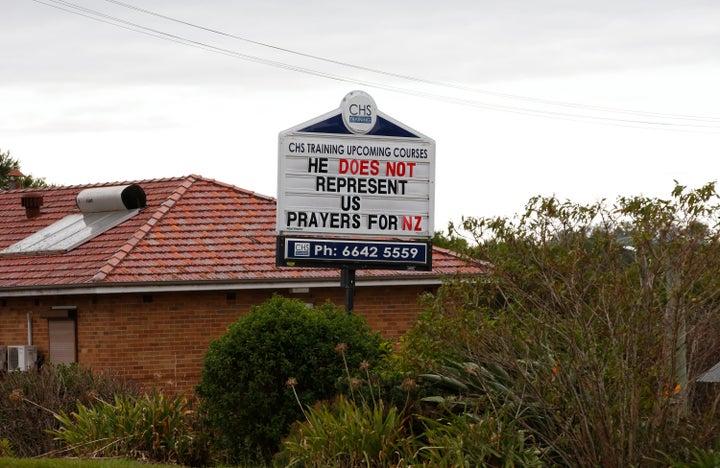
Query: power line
{"points": [[413, 78], [627, 122]]}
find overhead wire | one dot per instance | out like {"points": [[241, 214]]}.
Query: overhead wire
{"points": [[413, 78], [96, 15]]}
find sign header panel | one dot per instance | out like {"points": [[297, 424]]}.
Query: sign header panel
{"points": [[357, 182]]}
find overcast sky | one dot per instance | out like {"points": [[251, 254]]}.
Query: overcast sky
{"points": [[522, 97]]}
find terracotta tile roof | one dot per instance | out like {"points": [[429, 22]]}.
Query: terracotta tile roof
{"points": [[193, 230]]}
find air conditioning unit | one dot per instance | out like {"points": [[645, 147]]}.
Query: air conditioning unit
{"points": [[3, 358], [21, 358]]}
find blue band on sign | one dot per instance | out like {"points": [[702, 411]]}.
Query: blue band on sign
{"points": [[333, 250]]}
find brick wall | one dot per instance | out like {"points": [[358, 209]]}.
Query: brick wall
{"points": [[159, 340]]}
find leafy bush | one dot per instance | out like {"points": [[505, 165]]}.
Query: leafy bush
{"points": [[476, 440], [6, 449], [484, 421], [154, 427], [349, 435], [458, 311], [245, 373], [29, 400], [695, 458], [593, 325], [359, 428]]}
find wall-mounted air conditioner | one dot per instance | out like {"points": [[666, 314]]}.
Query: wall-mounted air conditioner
{"points": [[21, 358], [3, 358]]}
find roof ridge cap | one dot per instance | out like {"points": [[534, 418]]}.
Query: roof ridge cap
{"points": [[142, 231], [462, 256], [234, 187], [115, 183]]}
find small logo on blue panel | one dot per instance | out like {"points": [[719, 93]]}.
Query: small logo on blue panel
{"points": [[302, 249]]}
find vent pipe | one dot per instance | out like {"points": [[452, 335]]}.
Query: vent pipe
{"points": [[32, 203], [29, 328]]}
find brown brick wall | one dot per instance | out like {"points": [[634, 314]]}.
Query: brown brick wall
{"points": [[159, 340]]}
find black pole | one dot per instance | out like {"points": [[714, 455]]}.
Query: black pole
{"points": [[347, 281]]}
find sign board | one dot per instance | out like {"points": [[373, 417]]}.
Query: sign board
{"points": [[355, 172], [360, 254]]}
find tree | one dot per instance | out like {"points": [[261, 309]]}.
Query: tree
{"points": [[593, 324], [450, 242], [246, 372], [7, 164]]}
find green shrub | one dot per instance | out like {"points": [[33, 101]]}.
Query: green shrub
{"points": [[245, 372], [473, 440], [450, 429], [595, 321], [362, 427], [349, 435], [154, 427], [455, 315], [690, 456], [29, 400], [6, 449]]}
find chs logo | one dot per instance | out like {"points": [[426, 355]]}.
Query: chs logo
{"points": [[302, 249], [359, 112]]}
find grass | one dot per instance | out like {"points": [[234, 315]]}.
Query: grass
{"points": [[75, 463]]}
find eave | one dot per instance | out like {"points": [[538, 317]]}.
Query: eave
{"points": [[170, 287]]}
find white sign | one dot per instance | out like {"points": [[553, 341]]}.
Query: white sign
{"points": [[332, 180]]}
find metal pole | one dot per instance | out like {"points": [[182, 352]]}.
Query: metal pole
{"points": [[347, 281]]}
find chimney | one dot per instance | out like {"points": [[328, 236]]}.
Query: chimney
{"points": [[15, 179], [32, 203]]}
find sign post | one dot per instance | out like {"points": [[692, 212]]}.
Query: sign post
{"points": [[355, 191], [347, 281]]}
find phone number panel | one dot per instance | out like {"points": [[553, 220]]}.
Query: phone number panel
{"points": [[356, 251]]}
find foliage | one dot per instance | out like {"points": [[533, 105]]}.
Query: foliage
{"points": [[469, 439], [348, 434], [29, 400], [591, 327], [458, 309], [245, 371], [357, 428], [7, 164], [153, 427], [75, 463], [698, 458], [477, 428], [6, 449], [450, 242], [362, 430]]}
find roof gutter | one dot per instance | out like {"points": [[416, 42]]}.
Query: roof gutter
{"points": [[135, 288]]}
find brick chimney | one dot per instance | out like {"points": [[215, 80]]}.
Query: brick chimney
{"points": [[32, 203], [15, 179]]}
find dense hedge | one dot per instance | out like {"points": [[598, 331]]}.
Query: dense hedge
{"points": [[245, 374]]}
